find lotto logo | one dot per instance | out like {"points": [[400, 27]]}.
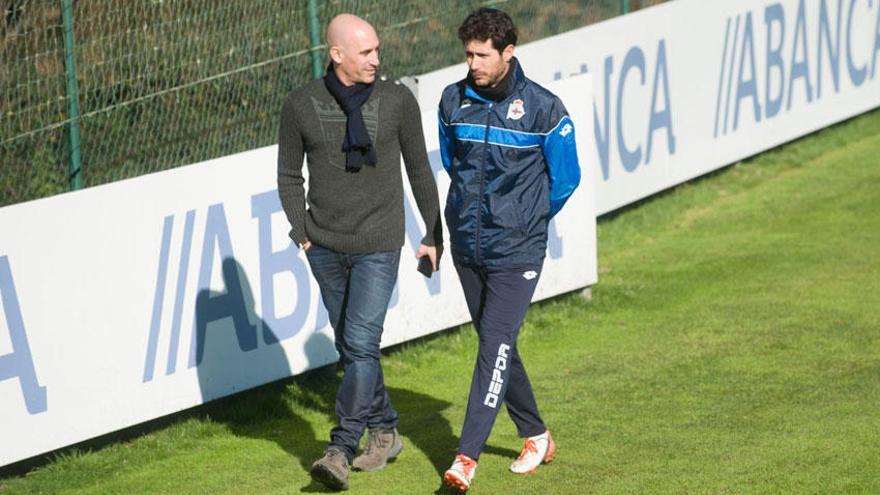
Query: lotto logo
{"points": [[566, 130]]}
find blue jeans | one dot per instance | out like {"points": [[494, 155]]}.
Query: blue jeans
{"points": [[356, 289]]}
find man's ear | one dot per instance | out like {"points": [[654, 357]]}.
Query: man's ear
{"points": [[336, 54], [507, 53]]}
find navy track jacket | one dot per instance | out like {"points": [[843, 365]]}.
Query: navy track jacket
{"points": [[513, 164]]}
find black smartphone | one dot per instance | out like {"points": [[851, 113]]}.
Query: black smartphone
{"points": [[425, 267]]}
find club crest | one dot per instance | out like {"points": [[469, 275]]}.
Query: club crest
{"points": [[516, 110]]}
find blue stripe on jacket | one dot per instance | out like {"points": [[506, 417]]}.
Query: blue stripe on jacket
{"points": [[497, 136]]}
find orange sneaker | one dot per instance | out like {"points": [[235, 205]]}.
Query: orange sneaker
{"points": [[459, 476], [538, 449]]}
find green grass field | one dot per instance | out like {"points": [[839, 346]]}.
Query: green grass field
{"points": [[732, 346]]}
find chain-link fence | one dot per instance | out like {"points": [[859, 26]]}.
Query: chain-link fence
{"points": [[164, 83]]}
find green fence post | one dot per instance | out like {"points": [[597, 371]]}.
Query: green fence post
{"points": [[75, 164], [315, 40], [624, 6]]}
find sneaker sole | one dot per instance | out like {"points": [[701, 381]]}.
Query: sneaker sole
{"points": [[391, 455], [327, 478], [551, 453], [453, 481]]}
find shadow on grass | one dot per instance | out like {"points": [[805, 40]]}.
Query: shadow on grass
{"points": [[422, 423], [272, 413]]}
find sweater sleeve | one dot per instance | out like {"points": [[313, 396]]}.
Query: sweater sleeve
{"points": [[418, 169], [290, 177]]}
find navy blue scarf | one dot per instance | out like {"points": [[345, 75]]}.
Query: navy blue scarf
{"points": [[357, 146]]}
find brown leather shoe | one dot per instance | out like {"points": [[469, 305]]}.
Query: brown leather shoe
{"points": [[381, 446], [331, 470]]}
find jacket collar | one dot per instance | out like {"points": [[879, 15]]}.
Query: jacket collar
{"points": [[513, 80]]}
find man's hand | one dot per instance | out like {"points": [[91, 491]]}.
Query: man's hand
{"points": [[430, 252], [306, 245]]}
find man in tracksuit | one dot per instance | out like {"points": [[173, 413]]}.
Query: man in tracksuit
{"points": [[508, 146]]}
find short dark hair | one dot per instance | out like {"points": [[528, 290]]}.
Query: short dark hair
{"points": [[488, 24]]}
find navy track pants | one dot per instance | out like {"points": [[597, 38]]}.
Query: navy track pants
{"points": [[498, 298]]}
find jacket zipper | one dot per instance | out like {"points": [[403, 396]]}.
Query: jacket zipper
{"points": [[482, 183]]}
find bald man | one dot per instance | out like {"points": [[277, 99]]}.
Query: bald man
{"points": [[353, 128]]}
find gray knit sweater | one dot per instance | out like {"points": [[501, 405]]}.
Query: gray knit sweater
{"points": [[354, 212]]}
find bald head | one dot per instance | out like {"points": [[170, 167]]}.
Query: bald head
{"points": [[344, 27], [354, 49]]}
